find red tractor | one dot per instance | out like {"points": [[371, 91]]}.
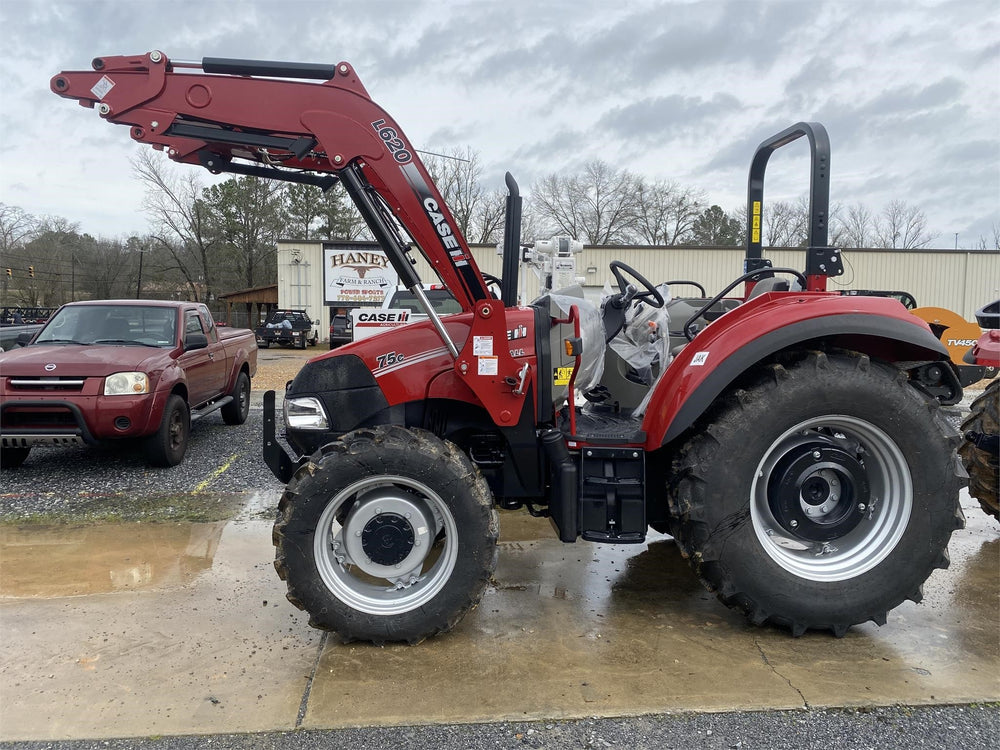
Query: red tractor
{"points": [[791, 440]]}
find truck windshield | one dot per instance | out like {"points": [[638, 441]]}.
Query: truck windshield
{"points": [[441, 300], [124, 325]]}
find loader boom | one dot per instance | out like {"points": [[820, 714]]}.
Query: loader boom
{"points": [[235, 116]]}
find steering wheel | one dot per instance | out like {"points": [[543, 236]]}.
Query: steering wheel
{"points": [[492, 280], [650, 295]]}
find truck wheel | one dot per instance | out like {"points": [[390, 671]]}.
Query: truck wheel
{"points": [[236, 411], [982, 465], [166, 447], [819, 496], [386, 534], [11, 458], [300, 344]]}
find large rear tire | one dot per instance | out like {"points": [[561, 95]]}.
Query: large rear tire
{"points": [[386, 534], [820, 495], [982, 465]]}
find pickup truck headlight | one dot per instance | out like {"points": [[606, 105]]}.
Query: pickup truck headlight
{"points": [[305, 414], [126, 384]]}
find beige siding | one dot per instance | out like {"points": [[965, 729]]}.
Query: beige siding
{"points": [[958, 281]]}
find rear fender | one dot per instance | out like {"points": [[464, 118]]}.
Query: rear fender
{"points": [[775, 322]]}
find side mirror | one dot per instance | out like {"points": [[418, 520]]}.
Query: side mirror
{"points": [[195, 341], [23, 339]]}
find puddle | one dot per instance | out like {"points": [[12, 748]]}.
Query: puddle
{"points": [[56, 561]]}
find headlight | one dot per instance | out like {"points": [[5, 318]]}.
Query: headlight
{"points": [[305, 414], [126, 384]]}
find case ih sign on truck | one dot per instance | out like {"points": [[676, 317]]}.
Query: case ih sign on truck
{"points": [[793, 442], [123, 369]]}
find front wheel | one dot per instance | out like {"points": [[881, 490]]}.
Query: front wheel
{"points": [[386, 534], [167, 446], [819, 496]]}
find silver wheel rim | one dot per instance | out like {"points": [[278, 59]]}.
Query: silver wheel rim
{"points": [[883, 516], [398, 587]]}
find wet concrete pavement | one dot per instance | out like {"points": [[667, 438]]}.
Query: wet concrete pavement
{"points": [[152, 629]]}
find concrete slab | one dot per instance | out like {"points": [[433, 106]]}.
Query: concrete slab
{"points": [[143, 629], [164, 629]]}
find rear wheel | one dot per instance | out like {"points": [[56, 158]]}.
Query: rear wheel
{"points": [[981, 463], [387, 534], [237, 410], [167, 446], [820, 496]]}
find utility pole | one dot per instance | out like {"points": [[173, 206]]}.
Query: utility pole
{"points": [[138, 284]]}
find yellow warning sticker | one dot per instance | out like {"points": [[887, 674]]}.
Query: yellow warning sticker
{"points": [[561, 375], [756, 208]]}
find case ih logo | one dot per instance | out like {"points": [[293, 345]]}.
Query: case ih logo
{"points": [[521, 332], [384, 317]]}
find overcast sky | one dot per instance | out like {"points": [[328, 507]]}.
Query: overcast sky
{"points": [[909, 91]]}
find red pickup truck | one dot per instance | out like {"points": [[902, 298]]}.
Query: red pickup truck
{"points": [[114, 369]]}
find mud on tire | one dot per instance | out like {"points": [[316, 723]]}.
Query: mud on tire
{"points": [[387, 534], [982, 465], [819, 495]]}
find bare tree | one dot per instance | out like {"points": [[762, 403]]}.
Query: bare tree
{"points": [[855, 226], [488, 220], [665, 212], [902, 227], [16, 227], [786, 224], [457, 174], [597, 205], [990, 243], [180, 221]]}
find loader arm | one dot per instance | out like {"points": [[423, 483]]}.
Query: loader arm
{"points": [[246, 117]]}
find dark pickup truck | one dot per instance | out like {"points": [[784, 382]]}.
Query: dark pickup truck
{"points": [[288, 328], [123, 369]]}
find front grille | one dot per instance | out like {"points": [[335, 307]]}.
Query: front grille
{"points": [[14, 419], [55, 383]]}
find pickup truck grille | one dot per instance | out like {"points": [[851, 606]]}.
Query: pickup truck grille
{"points": [[57, 384], [55, 417]]}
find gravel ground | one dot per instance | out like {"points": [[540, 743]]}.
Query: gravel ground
{"points": [[221, 473], [893, 728]]}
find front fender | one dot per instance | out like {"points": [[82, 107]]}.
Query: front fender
{"points": [[775, 322]]}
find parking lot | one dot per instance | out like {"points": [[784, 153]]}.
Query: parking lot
{"points": [[116, 626]]}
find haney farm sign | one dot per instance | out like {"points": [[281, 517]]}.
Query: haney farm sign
{"points": [[356, 274]]}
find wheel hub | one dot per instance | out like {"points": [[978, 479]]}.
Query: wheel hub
{"points": [[818, 492], [388, 533], [387, 539]]}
